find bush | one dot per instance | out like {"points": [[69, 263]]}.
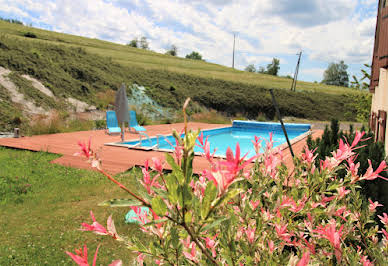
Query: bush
{"points": [[236, 214], [30, 35], [370, 150]]}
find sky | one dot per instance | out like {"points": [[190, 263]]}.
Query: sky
{"points": [[325, 30]]}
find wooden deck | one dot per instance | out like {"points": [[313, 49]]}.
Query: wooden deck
{"points": [[116, 159]]}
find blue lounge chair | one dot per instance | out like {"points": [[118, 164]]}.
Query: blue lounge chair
{"points": [[133, 122], [111, 123]]}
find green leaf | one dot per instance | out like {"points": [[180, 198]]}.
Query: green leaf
{"points": [[333, 187], [188, 217], [210, 195], [120, 203], [174, 237], [170, 160], [158, 205], [227, 196], [172, 187], [214, 224], [187, 195]]}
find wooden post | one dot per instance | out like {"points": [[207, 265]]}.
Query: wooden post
{"points": [[281, 122], [16, 132]]}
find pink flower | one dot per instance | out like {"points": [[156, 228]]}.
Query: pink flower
{"points": [[250, 232], [384, 218], [147, 181], [257, 144], [373, 205], [141, 215], [342, 213], [157, 164], [282, 232], [289, 202], [271, 162], [89, 154], [254, 204], [140, 258], [330, 233], [81, 257], [211, 244], [308, 155], [325, 200], [310, 244], [271, 246], [342, 192], [186, 242], [206, 148], [224, 173], [365, 262], [233, 162], [352, 167], [357, 138], [266, 215], [101, 230], [192, 255], [372, 175], [343, 152], [85, 150], [304, 260], [269, 145], [385, 234], [95, 226]]}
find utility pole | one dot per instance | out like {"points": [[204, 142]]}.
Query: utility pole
{"points": [[234, 42], [293, 86]]}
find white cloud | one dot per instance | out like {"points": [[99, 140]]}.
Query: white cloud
{"points": [[314, 73]]}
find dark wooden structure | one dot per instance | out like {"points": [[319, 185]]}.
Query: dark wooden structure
{"points": [[380, 52], [378, 117]]}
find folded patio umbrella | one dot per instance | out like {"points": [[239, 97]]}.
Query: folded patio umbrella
{"points": [[121, 108]]}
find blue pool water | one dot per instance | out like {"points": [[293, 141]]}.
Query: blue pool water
{"points": [[242, 132]]}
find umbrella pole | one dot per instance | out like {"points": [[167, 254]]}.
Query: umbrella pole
{"points": [[122, 131]]}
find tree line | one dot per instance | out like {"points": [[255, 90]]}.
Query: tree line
{"points": [[143, 43], [336, 74]]}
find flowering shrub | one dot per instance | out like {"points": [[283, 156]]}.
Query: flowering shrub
{"points": [[239, 212]]}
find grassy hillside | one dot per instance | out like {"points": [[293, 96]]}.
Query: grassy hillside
{"points": [[133, 57], [87, 69]]}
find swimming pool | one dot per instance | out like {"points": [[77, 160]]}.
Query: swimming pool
{"points": [[242, 132]]}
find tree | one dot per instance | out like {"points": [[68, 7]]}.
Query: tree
{"points": [[194, 55], [173, 50], [358, 84], [134, 43], [336, 74], [273, 68], [261, 70], [144, 43], [250, 68]]}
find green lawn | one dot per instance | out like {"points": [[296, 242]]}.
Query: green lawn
{"points": [[42, 206]]}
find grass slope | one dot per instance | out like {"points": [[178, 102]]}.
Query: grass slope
{"points": [[134, 57], [42, 206], [87, 69]]}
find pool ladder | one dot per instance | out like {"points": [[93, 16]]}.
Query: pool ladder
{"points": [[147, 137]]}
